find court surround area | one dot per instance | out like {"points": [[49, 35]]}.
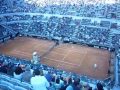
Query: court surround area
{"points": [[70, 57]]}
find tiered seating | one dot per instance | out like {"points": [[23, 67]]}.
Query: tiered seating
{"points": [[12, 62], [6, 33], [92, 35], [79, 9], [86, 31], [14, 84], [67, 29], [115, 40]]}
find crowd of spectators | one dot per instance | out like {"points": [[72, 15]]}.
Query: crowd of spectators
{"points": [[85, 31], [93, 35], [116, 40], [3, 32], [66, 29], [42, 76], [79, 9], [6, 34]]}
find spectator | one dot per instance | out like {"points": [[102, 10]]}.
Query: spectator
{"points": [[4, 67], [52, 84], [48, 76], [39, 82], [57, 84], [69, 87], [64, 86], [76, 84], [99, 86], [18, 73], [27, 74]]}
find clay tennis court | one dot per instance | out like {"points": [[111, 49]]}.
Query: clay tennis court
{"points": [[69, 57]]}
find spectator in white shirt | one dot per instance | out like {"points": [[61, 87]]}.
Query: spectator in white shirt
{"points": [[39, 82]]}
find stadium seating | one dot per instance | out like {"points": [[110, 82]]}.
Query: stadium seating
{"points": [[82, 23], [66, 29], [6, 34], [14, 83], [8, 80], [82, 9]]}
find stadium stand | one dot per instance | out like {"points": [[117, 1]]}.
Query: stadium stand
{"points": [[83, 24], [12, 63]]}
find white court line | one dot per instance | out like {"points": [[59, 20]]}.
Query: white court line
{"points": [[52, 59], [63, 62], [45, 42], [21, 52], [76, 51], [57, 53], [66, 55], [40, 46], [24, 52], [47, 46]]}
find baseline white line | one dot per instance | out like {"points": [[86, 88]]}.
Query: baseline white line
{"points": [[76, 51], [63, 62], [21, 52]]}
